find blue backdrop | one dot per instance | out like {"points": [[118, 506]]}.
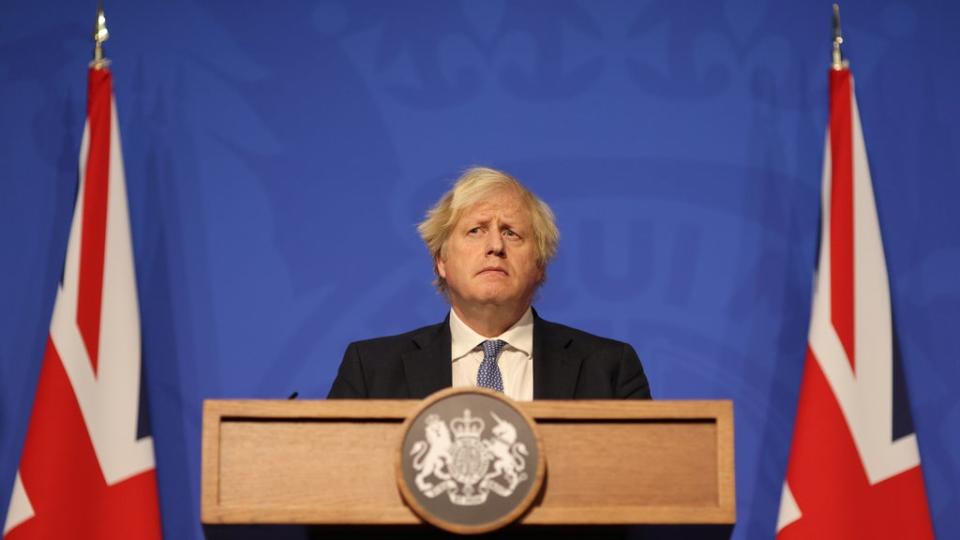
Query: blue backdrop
{"points": [[279, 154]]}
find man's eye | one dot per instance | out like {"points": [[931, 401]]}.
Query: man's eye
{"points": [[510, 234], [475, 230]]}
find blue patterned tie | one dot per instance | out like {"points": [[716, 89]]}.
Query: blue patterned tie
{"points": [[489, 374]]}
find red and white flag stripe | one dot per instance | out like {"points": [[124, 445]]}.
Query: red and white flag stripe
{"points": [[85, 471], [851, 473]]}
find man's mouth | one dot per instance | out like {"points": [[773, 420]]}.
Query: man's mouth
{"points": [[492, 269]]}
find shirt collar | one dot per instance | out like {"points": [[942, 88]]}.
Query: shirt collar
{"points": [[464, 339]]}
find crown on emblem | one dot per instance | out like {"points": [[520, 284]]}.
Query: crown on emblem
{"points": [[467, 426]]}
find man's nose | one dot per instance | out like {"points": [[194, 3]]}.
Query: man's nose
{"points": [[495, 244]]}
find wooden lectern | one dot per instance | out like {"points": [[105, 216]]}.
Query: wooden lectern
{"points": [[332, 462]]}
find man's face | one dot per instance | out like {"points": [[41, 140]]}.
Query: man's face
{"points": [[491, 255]]}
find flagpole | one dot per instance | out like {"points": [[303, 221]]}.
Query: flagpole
{"points": [[100, 35], [839, 62]]}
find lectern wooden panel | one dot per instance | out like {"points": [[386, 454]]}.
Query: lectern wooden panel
{"points": [[332, 462]]}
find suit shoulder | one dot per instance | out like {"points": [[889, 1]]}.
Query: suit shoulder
{"points": [[562, 332], [397, 340]]}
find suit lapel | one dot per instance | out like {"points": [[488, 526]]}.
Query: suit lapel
{"points": [[556, 365], [428, 367]]}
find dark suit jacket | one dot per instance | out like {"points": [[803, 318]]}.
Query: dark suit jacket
{"points": [[567, 364]]}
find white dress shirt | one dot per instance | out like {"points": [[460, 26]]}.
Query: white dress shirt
{"points": [[516, 359]]}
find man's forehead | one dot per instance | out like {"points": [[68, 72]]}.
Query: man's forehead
{"points": [[503, 200], [511, 208]]}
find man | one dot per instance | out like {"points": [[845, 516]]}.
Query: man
{"points": [[491, 240]]}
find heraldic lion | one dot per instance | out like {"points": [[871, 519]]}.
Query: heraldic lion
{"points": [[431, 456]]}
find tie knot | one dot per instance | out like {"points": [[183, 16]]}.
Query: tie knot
{"points": [[492, 348]]}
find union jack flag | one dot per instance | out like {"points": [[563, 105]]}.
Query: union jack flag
{"points": [[87, 468], [854, 469]]}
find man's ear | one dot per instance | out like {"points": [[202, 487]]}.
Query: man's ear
{"points": [[440, 267]]}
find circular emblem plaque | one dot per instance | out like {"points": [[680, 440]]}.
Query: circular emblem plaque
{"points": [[469, 461]]}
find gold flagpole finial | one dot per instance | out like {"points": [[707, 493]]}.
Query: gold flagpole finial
{"points": [[838, 61], [100, 34]]}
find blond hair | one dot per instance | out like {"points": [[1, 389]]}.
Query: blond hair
{"points": [[474, 185]]}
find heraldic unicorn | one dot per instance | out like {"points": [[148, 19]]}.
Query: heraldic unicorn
{"points": [[455, 460]]}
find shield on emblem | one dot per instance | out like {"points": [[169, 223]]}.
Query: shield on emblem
{"points": [[470, 461]]}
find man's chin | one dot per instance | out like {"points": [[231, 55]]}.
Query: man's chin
{"points": [[492, 298], [510, 303]]}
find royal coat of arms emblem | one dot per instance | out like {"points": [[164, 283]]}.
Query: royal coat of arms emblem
{"points": [[455, 459], [469, 461]]}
